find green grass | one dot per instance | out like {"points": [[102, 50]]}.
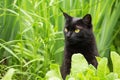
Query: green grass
{"points": [[31, 36]]}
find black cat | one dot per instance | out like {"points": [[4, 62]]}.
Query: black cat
{"points": [[79, 38]]}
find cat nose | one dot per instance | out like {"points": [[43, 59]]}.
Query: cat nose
{"points": [[68, 35]]}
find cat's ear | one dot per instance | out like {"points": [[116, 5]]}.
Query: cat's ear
{"points": [[67, 17], [87, 19]]}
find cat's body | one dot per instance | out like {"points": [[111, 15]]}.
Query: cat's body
{"points": [[79, 38]]}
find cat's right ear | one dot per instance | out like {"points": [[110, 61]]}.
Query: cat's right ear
{"points": [[67, 17], [87, 19]]}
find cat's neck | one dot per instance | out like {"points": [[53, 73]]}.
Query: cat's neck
{"points": [[82, 47]]}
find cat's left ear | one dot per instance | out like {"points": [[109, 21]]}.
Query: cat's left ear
{"points": [[87, 19], [67, 17]]}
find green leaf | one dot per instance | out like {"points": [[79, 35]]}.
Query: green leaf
{"points": [[9, 50], [81, 76], [54, 73], [102, 68], [116, 62], [91, 73], [9, 74], [79, 64], [112, 76]]}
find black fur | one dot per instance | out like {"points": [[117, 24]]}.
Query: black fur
{"points": [[82, 42]]}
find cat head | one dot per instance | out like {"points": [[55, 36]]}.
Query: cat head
{"points": [[77, 29]]}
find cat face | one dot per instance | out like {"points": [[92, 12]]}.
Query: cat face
{"points": [[77, 30]]}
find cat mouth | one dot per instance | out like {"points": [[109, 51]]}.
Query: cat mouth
{"points": [[72, 41]]}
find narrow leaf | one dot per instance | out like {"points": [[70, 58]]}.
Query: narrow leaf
{"points": [[9, 74]]}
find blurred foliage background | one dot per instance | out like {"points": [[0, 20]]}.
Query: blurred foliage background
{"points": [[31, 36]]}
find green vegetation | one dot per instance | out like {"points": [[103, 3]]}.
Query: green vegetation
{"points": [[32, 42], [88, 72]]}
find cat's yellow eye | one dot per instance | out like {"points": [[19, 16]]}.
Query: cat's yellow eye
{"points": [[77, 30], [66, 30]]}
